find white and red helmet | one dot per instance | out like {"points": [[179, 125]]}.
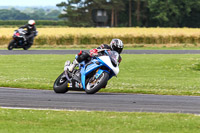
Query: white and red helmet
{"points": [[31, 22]]}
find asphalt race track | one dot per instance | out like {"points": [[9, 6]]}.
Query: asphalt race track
{"points": [[16, 52], [47, 99], [30, 98]]}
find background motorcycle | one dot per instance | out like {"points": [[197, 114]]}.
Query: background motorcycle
{"points": [[89, 77], [19, 40]]}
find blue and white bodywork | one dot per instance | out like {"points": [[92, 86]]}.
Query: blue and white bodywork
{"points": [[98, 63], [90, 76]]}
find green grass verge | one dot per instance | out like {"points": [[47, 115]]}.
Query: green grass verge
{"points": [[135, 47], [148, 74], [127, 48], [46, 121]]}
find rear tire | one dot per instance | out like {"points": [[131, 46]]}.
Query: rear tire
{"points": [[26, 47], [11, 45], [60, 87], [102, 81]]}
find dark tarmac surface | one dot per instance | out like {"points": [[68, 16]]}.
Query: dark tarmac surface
{"points": [[47, 99], [16, 52]]}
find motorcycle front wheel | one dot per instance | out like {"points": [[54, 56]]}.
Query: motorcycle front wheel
{"points": [[95, 85], [60, 85], [11, 45]]}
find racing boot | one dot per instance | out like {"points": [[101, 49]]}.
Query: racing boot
{"points": [[66, 66], [72, 65]]}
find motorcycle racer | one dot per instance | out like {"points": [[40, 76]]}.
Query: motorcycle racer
{"points": [[31, 31], [115, 45]]}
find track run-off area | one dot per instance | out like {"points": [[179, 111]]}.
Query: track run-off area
{"points": [[47, 99]]}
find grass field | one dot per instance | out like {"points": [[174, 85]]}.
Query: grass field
{"points": [[148, 74], [132, 37], [31, 121], [155, 47], [110, 31]]}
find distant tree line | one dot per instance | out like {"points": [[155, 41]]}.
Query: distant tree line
{"points": [[142, 13], [29, 13], [38, 22]]}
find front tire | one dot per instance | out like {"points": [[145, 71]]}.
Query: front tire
{"points": [[60, 85], [92, 88], [11, 45]]}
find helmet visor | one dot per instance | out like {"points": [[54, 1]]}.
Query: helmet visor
{"points": [[119, 50]]}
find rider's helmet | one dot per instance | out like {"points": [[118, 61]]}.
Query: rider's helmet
{"points": [[31, 22], [117, 45]]}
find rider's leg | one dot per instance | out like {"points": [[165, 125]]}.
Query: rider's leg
{"points": [[79, 58], [72, 65], [30, 39]]}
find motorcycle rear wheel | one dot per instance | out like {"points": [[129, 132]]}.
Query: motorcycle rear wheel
{"points": [[60, 85], [26, 47], [92, 88]]}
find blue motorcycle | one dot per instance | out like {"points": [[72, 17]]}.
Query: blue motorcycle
{"points": [[89, 76]]}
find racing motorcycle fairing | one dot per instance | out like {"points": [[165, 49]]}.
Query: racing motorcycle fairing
{"points": [[100, 64], [91, 75]]}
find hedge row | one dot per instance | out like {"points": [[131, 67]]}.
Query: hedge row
{"points": [[39, 22], [91, 40]]}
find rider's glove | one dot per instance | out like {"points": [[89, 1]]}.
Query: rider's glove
{"points": [[93, 52]]}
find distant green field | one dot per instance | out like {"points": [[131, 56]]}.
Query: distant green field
{"points": [[46, 121], [148, 74]]}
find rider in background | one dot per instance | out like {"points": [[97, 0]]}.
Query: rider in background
{"points": [[115, 45], [31, 31]]}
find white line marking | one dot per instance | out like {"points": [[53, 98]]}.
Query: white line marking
{"points": [[42, 109]]}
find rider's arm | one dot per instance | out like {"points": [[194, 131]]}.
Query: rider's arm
{"points": [[34, 28], [34, 31], [22, 27], [104, 46], [120, 59], [101, 47], [93, 52]]}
